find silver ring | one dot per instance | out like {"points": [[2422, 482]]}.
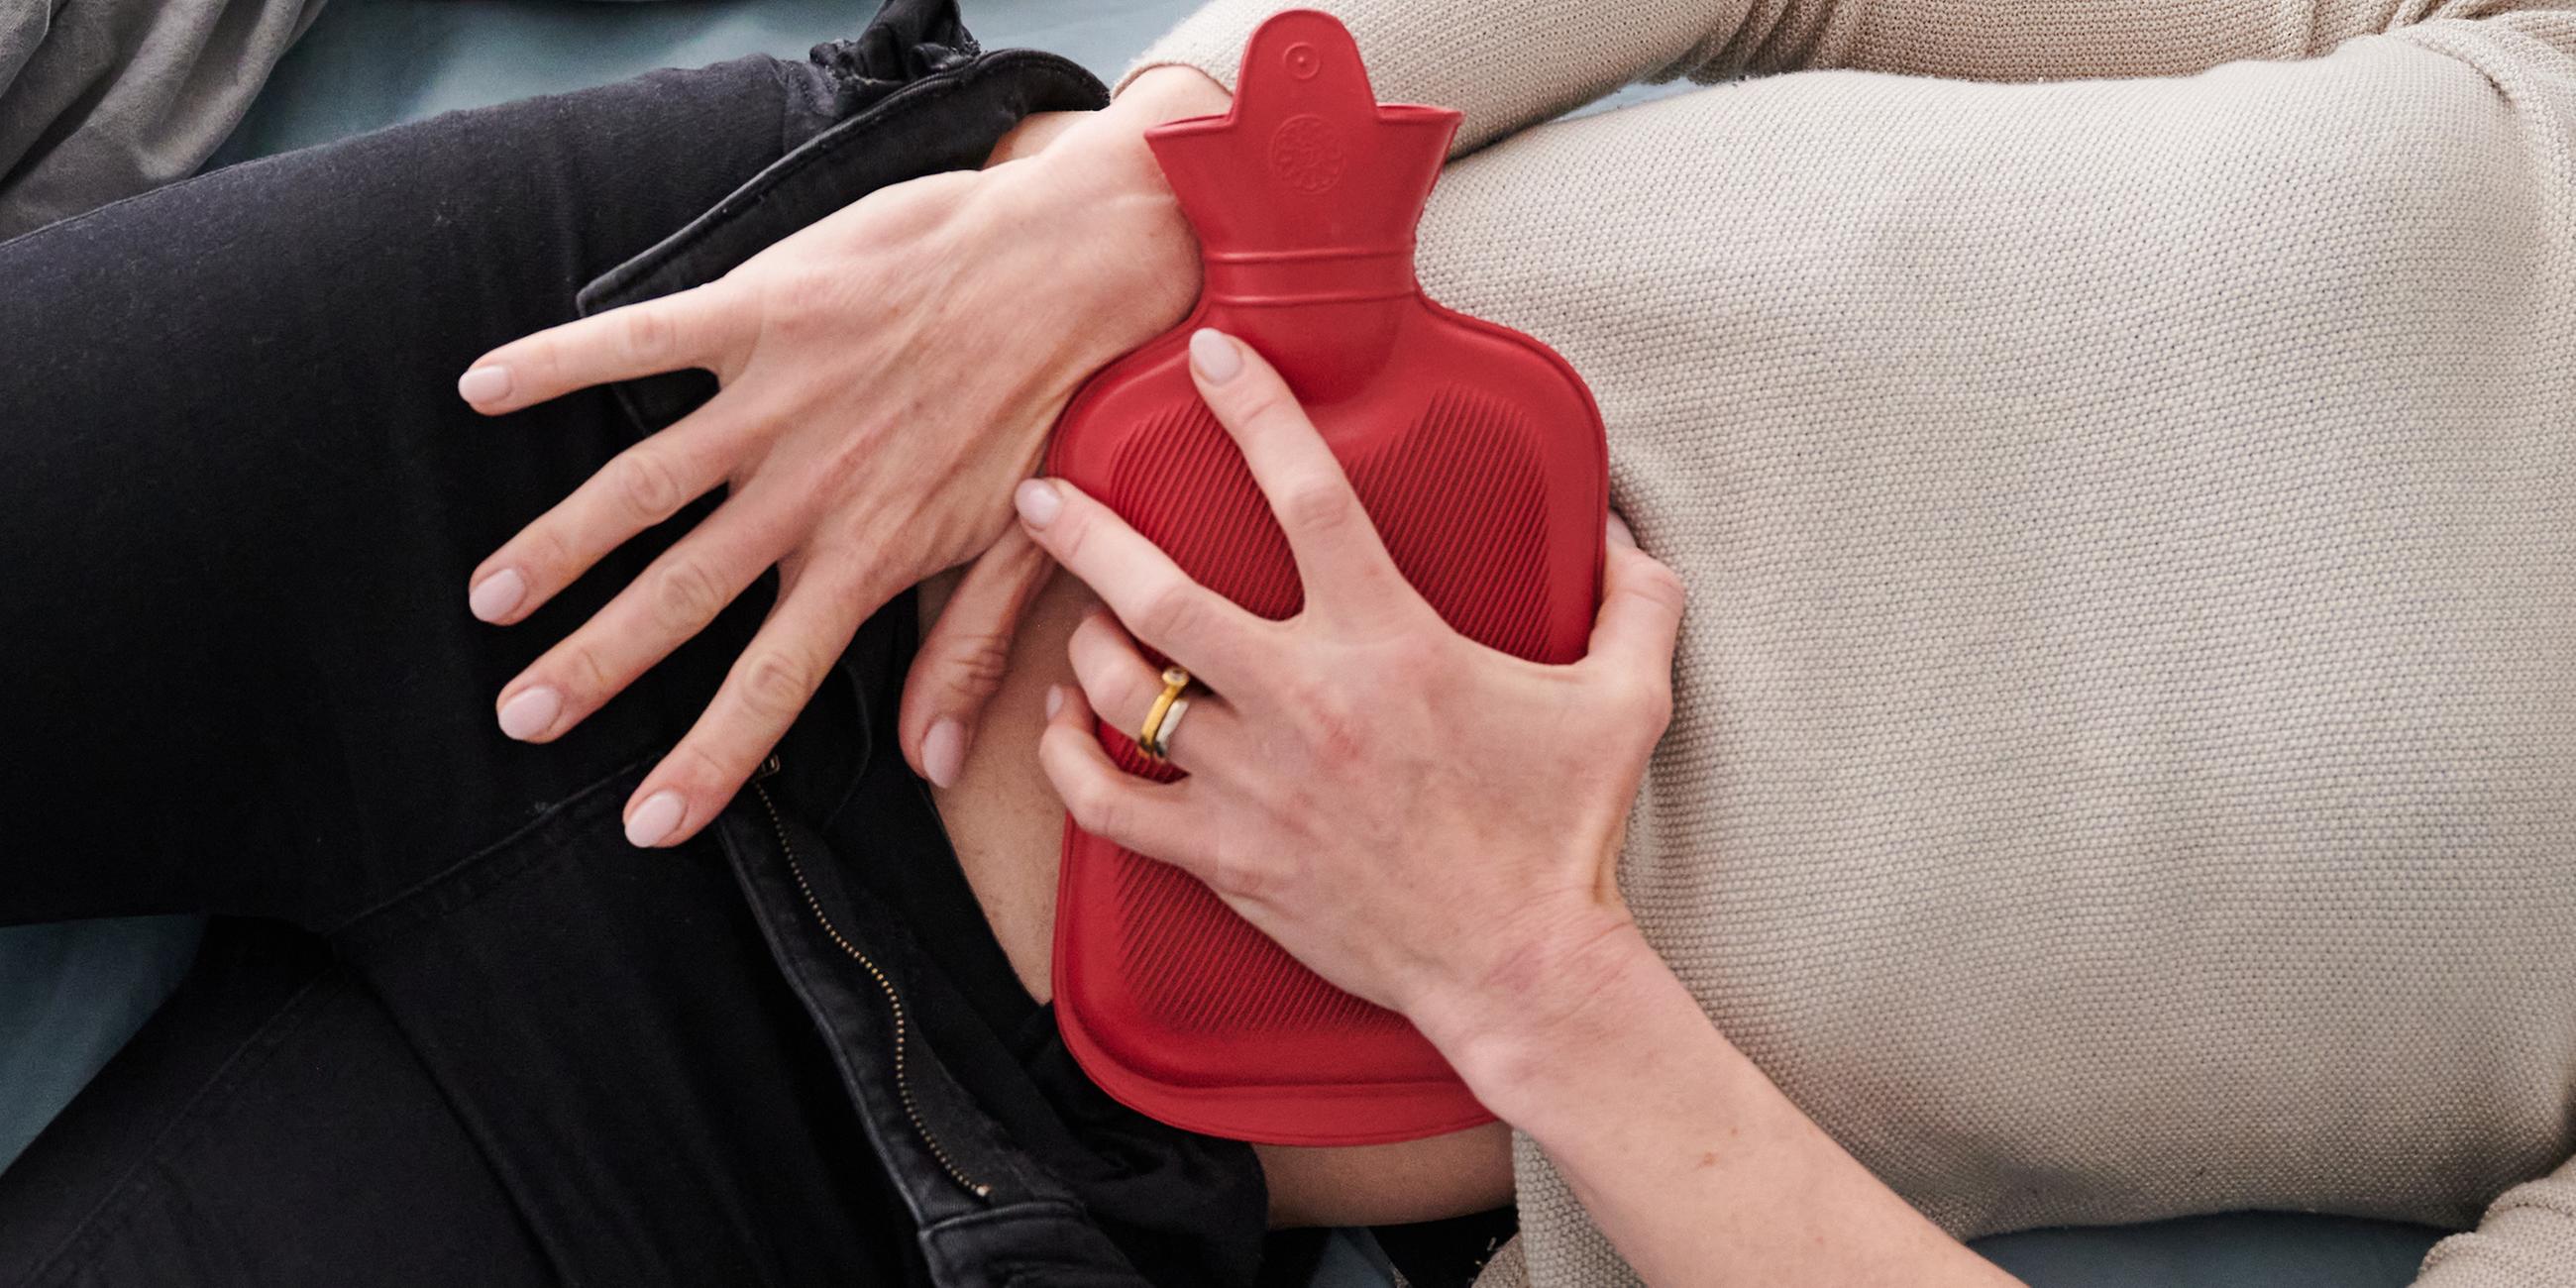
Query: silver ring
{"points": [[1171, 724]]}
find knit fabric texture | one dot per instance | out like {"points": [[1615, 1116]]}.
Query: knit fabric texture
{"points": [[2123, 461]]}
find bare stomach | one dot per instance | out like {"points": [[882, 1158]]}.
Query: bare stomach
{"points": [[1007, 827]]}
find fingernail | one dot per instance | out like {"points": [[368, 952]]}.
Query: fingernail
{"points": [[493, 597], [483, 384], [1038, 502], [1619, 532], [1055, 700], [530, 712], [1214, 354], [943, 751], [656, 818]]}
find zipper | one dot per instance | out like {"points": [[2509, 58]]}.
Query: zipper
{"points": [[894, 1000]]}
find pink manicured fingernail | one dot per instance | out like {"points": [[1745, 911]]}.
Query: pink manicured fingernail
{"points": [[1617, 530], [1055, 700], [943, 751], [1214, 354], [483, 384], [530, 712], [1038, 502], [656, 818], [493, 597]]}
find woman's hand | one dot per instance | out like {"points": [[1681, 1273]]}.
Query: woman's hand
{"points": [[1433, 826], [886, 375], [1422, 820]]}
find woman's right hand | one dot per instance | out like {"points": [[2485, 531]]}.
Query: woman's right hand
{"points": [[886, 375], [1424, 821]]}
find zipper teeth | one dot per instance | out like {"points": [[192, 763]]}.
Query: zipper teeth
{"points": [[894, 1001]]}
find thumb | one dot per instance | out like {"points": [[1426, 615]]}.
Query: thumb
{"points": [[961, 660], [1641, 610]]}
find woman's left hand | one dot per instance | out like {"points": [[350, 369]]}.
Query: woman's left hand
{"points": [[1433, 826], [1426, 822]]}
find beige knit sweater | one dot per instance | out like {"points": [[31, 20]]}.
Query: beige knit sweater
{"points": [[2126, 752]]}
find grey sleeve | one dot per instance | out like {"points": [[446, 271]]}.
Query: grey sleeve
{"points": [[103, 99]]}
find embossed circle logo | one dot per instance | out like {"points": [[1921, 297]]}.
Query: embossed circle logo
{"points": [[1306, 154]]}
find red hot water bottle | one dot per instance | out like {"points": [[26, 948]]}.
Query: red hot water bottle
{"points": [[1479, 454]]}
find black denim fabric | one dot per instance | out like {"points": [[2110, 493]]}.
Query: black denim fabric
{"points": [[449, 1027]]}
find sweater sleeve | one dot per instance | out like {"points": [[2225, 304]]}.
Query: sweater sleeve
{"points": [[2527, 1240], [1512, 63]]}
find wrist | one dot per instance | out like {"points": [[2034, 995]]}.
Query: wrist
{"points": [[1549, 1005], [1088, 178], [1099, 166], [1107, 150]]}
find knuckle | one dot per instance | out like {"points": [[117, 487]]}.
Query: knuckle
{"points": [[1638, 699], [650, 485], [802, 304], [1657, 582], [1068, 535], [686, 596], [1267, 408], [1336, 724], [645, 334], [858, 456], [1668, 584], [586, 679], [1655, 709], [546, 356], [1233, 875], [1318, 505], [544, 553], [1339, 737], [775, 685], [1131, 690], [974, 664], [1096, 671], [1095, 805], [691, 762], [1172, 613], [1244, 872]]}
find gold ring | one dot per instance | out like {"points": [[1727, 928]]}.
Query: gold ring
{"points": [[1155, 739]]}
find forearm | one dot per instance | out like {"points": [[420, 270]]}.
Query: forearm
{"points": [[1693, 1162]]}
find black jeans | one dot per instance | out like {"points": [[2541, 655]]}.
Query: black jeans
{"points": [[449, 1027]]}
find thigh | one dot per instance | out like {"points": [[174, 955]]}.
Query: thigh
{"points": [[569, 1070], [242, 497], [267, 1127], [614, 1032]]}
